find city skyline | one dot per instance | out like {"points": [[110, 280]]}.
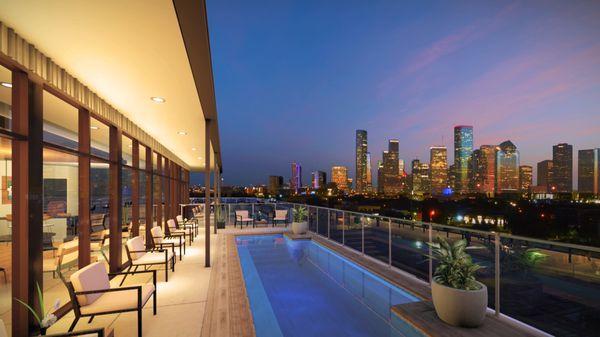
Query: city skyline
{"points": [[512, 70]]}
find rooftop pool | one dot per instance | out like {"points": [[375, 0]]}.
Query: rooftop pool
{"points": [[300, 288]]}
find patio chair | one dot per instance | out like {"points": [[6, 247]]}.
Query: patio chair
{"points": [[242, 217], [138, 256], [192, 224], [91, 294], [161, 240], [66, 256], [100, 241], [281, 215], [173, 229]]}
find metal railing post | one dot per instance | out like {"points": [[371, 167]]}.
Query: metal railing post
{"points": [[328, 223], [343, 228], [430, 252], [229, 213], [253, 210], [317, 213], [497, 273], [362, 227], [390, 242]]}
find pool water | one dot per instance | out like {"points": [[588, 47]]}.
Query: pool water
{"points": [[300, 288]]}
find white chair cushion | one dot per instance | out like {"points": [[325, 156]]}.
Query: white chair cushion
{"points": [[185, 231], [136, 244], [179, 218], [91, 277], [243, 214], [153, 258], [174, 241], [157, 234], [281, 214], [172, 225], [118, 300]]}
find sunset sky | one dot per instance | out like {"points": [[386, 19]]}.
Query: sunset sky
{"points": [[295, 79]]}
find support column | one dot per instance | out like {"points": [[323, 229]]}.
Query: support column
{"points": [[159, 201], [215, 184], [207, 150], [115, 189], [149, 197], [84, 227], [135, 189]]}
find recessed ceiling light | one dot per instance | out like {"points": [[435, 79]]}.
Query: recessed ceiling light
{"points": [[6, 84], [182, 133], [94, 127], [199, 157], [193, 149], [130, 146], [157, 99]]}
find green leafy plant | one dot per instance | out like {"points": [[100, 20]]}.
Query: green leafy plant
{"points": [[44, 318], [300, 214], [455, 268]]}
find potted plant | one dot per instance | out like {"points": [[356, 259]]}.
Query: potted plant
{"points": [[300, 225], [459, 299], [43, 319]]}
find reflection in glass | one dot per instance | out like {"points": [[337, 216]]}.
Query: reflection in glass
{"points": [[127, 151], [60, 220], [5, 229], [99, 203], [60, 122], [100, 138], [5, 98]]}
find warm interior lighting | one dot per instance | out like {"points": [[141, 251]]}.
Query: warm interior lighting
{"points": [[193, 149], [94, 127], [157, 99], [6, 84], [199, 157], [182, 133]]}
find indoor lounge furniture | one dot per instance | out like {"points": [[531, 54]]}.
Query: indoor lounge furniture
{"points": [[138, 255], [161, 240], [91, 294], [65, 256], [242, 217]]}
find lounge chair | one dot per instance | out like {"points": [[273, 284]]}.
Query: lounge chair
{"points": [[91, 294], [173, 229], [281, 215], [242, 217], [161, 240], [66, 256], [192, 224], [138, 255]]}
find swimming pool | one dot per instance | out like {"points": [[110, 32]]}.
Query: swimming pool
{"points": [[300, 288]]}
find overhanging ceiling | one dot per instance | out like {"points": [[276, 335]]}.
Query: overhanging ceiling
{"points": [[128, 52]]}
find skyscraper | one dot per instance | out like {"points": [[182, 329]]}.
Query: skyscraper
{"points": [[439, 169], [318, 179], [463, 146], [544, 174], [588, 165], [507, 168], [562, 171], [391, 169], [296, 180], [380, 182], [369, 186], [275, 184], [525, 178], [420, 178], [339, 175], [361, 161], [483, 166]]}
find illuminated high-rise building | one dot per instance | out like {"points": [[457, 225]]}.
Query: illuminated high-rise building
{"points": [[544, 175], [339, 175], [588, 169], [391, 170], [525, 178], [401, 168], [318, 179], [562, 170], [361, 161], [438, 169], [275, 184], [507, 168], [380, 177], [296, 180], [452, 177], [420, 178], [463, 146], [369, 187], [483, 170]]}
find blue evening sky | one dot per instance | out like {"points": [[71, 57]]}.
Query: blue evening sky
{"points": [[295, 79]]}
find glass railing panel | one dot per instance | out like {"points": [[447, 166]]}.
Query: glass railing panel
{"points": [[376, 241], [238, 211], [322, 215], [312, 219], [409, 247], [336, 225], [353, 231], [552, 288], [288, 208], [264, 214]]}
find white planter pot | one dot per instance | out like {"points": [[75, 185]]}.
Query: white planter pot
{"points": [[299, 227], [458, 307]]}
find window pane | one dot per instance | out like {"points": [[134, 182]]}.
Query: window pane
{"points": [[142, 198], [6, 228], [126, 207], [127, 151], [142, 164], [99, 134], [61, 122], [154, 161], [5, 98], [61, 207], [99, 202]]}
